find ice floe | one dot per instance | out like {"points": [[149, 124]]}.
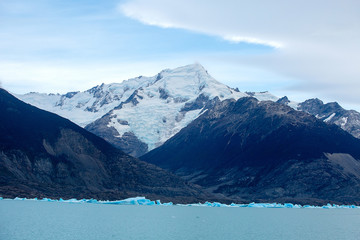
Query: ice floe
{"points": [[147, 202]]}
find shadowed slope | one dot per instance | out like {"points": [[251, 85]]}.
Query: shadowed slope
{"points": [[264, 151], [44, 155]]}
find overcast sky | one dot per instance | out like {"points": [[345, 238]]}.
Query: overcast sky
{"points": [[301, 49]]}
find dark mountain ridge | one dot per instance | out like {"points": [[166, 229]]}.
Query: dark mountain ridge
{"points": [[44, 155], [265, 151]]}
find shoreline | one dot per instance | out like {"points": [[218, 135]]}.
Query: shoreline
{"points": [[142, 201]]}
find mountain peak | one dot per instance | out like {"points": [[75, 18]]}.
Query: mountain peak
{"points": [[196, 67], [124, 112], [195, 70], [284, 100], [177, 96], [192, 67]]}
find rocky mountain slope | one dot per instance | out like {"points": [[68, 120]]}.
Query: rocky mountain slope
{"points": [[44, 155], [333, 113], [140, 114], [265, 151]]}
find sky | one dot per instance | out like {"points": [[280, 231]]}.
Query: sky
{"points": [[302, 49]]}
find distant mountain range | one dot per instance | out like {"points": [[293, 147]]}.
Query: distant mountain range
{"points": [[333, 113], [238, 146], [44, 155], [264, 152], [140, 114]]}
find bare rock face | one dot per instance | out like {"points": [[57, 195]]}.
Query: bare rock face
{"points": [[283, 100], [44, 155], [333, 113], [127, 142], [265, 151]]}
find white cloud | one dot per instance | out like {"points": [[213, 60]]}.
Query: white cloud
{"points": [[238, 39], [317, 41]]}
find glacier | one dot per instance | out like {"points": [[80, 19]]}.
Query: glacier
{"points": [[142, 201]]}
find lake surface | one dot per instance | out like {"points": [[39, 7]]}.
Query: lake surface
{"points": [[55, 220]]}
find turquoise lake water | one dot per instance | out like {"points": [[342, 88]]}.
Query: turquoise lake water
{"points": [[55, 220]]}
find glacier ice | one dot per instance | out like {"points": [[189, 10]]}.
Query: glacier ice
{"points": [[147, 202]]}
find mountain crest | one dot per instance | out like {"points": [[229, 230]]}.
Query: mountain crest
{"points": [[155, 108]]}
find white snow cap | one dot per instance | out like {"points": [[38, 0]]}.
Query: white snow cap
{"points": [[156, 111]]}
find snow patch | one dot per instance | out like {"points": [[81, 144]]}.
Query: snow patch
{"points": [[343, 122], [330, 117], [264, 96]]}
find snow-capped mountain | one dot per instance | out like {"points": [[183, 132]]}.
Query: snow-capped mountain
{"points": [[140, 114], [85, 107], [333, 113], [161, 108]]}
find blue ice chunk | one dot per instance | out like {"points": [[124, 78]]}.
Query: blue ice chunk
{"points": [[277, 205], [253, 205], [158, 202], [72, 200], [289, 205], [309, 206], [91, 200], [327, 206], [243, 205], [168, 204], [131, 201], [19, 199], [143, 201], [216, 204], [209, 204], [212, 204], [47, 200], [110, 202]]}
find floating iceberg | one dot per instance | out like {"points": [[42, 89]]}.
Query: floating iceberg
{"points": [[131, 201], [147, 202]]}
